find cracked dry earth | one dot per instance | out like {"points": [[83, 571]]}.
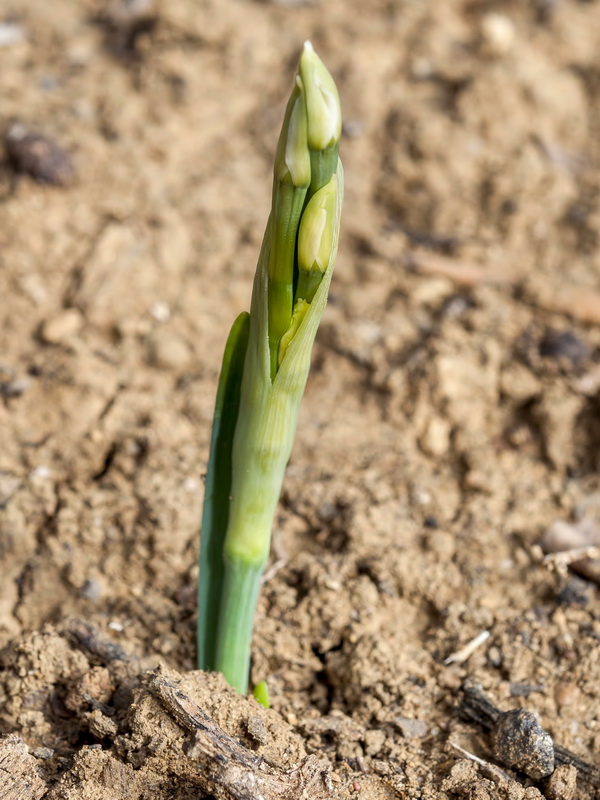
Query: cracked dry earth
{"points": [[451, 419]]}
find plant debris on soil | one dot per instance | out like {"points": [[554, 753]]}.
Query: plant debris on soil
{"points": [[450, 432]]}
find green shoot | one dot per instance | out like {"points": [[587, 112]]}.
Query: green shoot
{"points": [[264, 372], [261, 694]]}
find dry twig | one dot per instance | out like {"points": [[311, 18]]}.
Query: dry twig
{"points": [[519, 740], [561, 561], [497, 773], [232, 767], [462, 655]]}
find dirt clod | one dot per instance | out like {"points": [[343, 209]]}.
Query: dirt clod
{"points": [[562, 784], [19, 777], [520, 742]]}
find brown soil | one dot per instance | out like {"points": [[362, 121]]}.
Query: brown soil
{"points": [[451, 416]]}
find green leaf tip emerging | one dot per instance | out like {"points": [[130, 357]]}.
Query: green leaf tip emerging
{"points": [[261, 694]]}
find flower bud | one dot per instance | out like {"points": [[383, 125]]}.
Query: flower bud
{"points": [[292, 160], [322, 101], [317, 229]]}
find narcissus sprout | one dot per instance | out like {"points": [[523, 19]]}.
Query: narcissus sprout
{"points": [[264, 371]]}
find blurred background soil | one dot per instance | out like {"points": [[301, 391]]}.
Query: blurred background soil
{"points": [[452, 414]]}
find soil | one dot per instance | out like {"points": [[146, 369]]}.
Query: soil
{"points": [[451, 417]]}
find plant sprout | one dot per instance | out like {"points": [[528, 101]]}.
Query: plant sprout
{"points": [[264, 371]]}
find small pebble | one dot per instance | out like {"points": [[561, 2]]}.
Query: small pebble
{"points": [[498, 32], [42, 752], [60, 327], [191, 485], [564, 643], [160, 311], [92, 590], [40, 473], [563, 345], [38, 156], [495, 656], [412, 728], [421, 496], [435, 440]]}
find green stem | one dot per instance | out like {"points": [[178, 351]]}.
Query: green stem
{"points": [[323, 164], [217, 491], [240, 595]]}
